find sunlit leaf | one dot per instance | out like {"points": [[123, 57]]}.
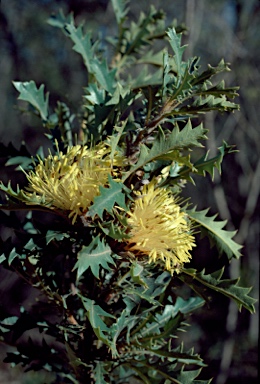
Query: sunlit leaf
{"points": [[94, 256], [30, 93]]}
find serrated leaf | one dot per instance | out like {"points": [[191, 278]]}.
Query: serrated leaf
{"points": [[55, 235], [175, 42], [120, 10], [187, 138], [114, 231], [21, 161], [215, 232], [114, 139], [212, 103], [211, 71], [95, 95], [99, 372], [107, 199], [94, 256], [184, 87], [125, 320], [166, 72], [157, 59], [30, 93], [187, 377], [145, 79], [60, 20], [170, 312], [82, 43], [95, 314], [21, 196], [104, 76], [204, 164], [228, 287]]}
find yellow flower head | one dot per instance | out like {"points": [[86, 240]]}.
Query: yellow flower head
{"points": [[70, 181], [159, 229]]}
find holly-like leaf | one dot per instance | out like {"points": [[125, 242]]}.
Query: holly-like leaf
{"points": [[120, 10], [215, 232], [60, 20], [55, 235], [169, 319], [107, 199], [84, 46], [95, 314], [207, 165], [228, 287], [187, 377], [104, 76], [175, 42], [99, 372], [188, 137], [211, 71], [94, 256], [30, 93], [82, 43], [21, 161], [212, 103]]}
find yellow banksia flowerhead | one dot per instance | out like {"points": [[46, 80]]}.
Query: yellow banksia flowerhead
{"points": [[70, 181], [159, 229]]}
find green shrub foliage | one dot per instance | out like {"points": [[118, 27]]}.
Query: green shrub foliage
{"points": [[109, 270]]}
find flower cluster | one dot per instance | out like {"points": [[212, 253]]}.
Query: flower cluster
{"points": [[70, 181], [160, 229]]}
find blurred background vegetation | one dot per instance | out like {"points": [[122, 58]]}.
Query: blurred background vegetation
{"points": [[33, 50]]}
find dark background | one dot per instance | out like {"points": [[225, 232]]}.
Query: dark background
{"points": [[30, 49]]}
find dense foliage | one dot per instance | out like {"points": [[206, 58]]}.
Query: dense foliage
{"points": [[111, 267]]}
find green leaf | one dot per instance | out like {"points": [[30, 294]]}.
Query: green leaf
{"points": [[104, 76], [32, 201], [114, 139], [84, 46], [215, 232], [107, 199], [211, 103], [60, 20], [228, 287], [55, 235], [95, 314], [187, 377], [95, 95], [21, 161], [164, 320], [211, 71], [186, 138], [204, 164], [13, 255], [7, 323], [82, 43], [175, 42], [120, 10], [94, 256], [29, 92], [2, 258], [125, 320], [99, 372]]}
